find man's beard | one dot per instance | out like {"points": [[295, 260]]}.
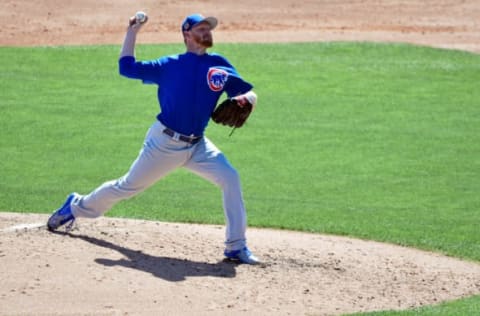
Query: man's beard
{"points": [[206, 41]]}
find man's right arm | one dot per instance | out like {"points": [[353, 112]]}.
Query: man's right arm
{"points": [[147, 71], [128, 48], [127, 54]]}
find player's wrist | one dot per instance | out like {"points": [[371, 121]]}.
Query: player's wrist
{"points": [[249, 97]]}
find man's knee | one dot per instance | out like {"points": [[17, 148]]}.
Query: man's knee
{"points": [[125, 189], [229, 177]]}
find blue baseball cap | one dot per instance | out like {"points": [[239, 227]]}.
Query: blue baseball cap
{"points": [[194, 19]]}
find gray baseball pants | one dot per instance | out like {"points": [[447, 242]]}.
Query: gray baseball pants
{"points": [[160, 155]]}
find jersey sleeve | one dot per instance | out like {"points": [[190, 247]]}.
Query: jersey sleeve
{"points": [[235, 84], [147, 71]]}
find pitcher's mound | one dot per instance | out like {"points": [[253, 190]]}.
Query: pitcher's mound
{"points": [[133, 267]]}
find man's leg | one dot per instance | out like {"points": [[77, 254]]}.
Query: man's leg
{"points": [[159, 156], [210, 163]]}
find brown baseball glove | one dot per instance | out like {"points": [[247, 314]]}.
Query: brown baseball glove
{"points": [[231, 113]]}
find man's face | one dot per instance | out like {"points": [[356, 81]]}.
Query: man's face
{"points": [[202, 35]]}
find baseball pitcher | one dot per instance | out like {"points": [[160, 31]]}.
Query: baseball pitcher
{"points": [[189, 87]]}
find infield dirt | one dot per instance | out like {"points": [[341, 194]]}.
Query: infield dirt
{"points": [[132, 267]]}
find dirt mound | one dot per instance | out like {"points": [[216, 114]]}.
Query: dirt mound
{"points": [[134, 267]]}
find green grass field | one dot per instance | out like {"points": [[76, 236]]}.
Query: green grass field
{"points": [[373, 141]]}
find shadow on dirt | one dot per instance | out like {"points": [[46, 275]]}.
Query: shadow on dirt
{"points": [[169, 269]]}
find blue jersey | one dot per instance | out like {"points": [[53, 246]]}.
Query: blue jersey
{"points": [[189, 87]]}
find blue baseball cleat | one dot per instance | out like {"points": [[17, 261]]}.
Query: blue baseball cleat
{"points": [[243, 255], [63, 215]]}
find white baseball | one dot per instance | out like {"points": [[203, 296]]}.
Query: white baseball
{"points": [[140, 16]]}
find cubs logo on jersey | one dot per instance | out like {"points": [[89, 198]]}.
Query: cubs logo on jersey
{"points": [[216, 79]]}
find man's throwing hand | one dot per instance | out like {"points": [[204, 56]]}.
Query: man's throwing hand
{"points": [[138, 19]]}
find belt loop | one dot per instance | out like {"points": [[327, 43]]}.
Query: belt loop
{"points": [[176, 136]]}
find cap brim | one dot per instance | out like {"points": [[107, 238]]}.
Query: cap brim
{"points": [[212, 21]]}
